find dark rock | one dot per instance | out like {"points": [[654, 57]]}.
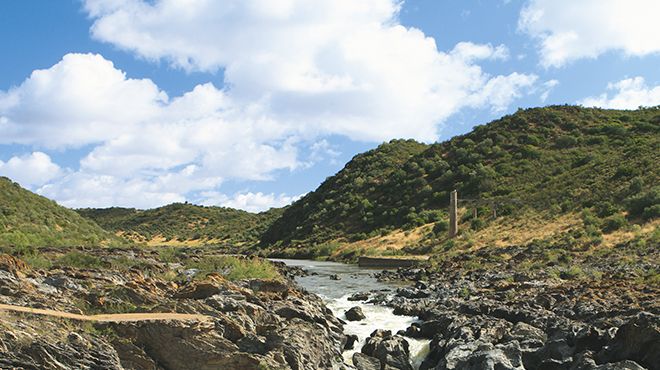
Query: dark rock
{"points": [[411, 293], [637, 340], [350, 341], [392, 350], [335, 277], [585, 361], [358, 297], [364, 362], [355, 314], [485, 356], [200, 290]]}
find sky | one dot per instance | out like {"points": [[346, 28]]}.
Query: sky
{"points": [[253, 103]]}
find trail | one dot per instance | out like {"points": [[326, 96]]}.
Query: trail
{"points": [[121, 317]]}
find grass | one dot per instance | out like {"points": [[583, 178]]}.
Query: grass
{"points": [[37, 261], [79, 260], [236, 268]]}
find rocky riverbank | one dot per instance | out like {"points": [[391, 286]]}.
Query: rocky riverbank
{"points": [[512, 320], [251, 323]]}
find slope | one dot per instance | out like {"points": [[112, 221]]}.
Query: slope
{"points": [[184, 224], [28, 219], [596, 164]]}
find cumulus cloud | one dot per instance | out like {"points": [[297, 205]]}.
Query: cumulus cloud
{"points": [[31, 169], [331, 66], [249, 201], [83, 99], [294, 72], [629, 93], [568, 30]]}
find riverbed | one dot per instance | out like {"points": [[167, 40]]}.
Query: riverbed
{"points": [[354, 279]]}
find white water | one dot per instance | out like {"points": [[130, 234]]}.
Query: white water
{"points": [[353, 280]]}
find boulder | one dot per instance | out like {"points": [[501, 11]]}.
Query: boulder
{"points": [[201, 290], [488, 356], [364, 362], [391, 350], [637, 340], [361, 296], [355, 314], [411, 293], [351, 339]]}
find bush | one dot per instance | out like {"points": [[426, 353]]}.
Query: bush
{"points": [[79, 260], [614, 222], [644, 204], [566, 141], [441, 227], [477, 224]]}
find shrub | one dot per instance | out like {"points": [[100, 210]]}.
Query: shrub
{"points": [[236, 268], [79, 260], [614, 222], [644, 204], [440, 227], [566, 141], [477, 224], [37, 261]]}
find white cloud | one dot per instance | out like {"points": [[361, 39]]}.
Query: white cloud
{"points": [[547, 88], [82, 99], [81, 189], [31, 169], [249, 201], [629, 93], [294, 73], [325, 67], [568, 30]]}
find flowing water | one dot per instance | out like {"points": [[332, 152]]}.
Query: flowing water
{"points": [[354, 279]]}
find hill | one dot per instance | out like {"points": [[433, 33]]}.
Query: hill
{"points": [[184, 224], [27, 219], [549, 165]]}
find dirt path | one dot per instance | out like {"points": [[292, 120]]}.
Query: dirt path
{"points": [[121, 317]]}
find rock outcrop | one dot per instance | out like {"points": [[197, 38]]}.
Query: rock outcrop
{"points": [[251, 324]]}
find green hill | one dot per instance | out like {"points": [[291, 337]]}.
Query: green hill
{"points": [[184, 224], [594, 164], [27, 219]]}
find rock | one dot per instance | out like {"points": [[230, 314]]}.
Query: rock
{"points": [[62, 282], [358, 297], [556, 353], [585, 361], [412, 293], [392, 350], [335, 277], [637, 340], [13, 265], [269, 286], [355, 314], [364, 362], [351, 339], [199, 290], [486, 356]]}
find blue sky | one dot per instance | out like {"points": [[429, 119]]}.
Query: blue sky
{"points": [[252, 103]]}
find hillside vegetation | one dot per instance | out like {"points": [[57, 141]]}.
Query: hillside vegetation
{"points": [[184, 224], [596, 167], [30, 220]]}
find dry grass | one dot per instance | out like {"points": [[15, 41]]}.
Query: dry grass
{"points": [[624, 235]]}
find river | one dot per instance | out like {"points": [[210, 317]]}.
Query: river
{"points": [[354, 279]]}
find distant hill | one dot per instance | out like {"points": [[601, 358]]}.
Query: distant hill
{"points": [[184, 224], [550, 162], [28, 219]]}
